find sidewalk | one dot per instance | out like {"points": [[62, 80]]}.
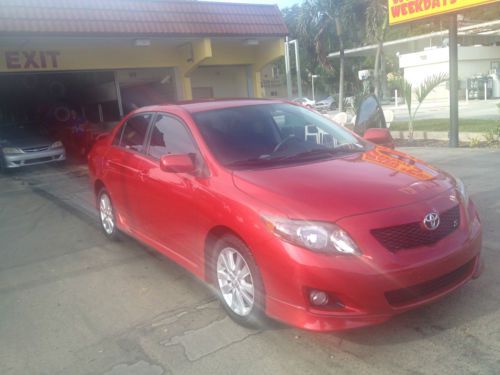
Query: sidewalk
{"points": [[431, 109]]}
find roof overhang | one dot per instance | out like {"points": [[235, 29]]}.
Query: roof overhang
{"points": [[487, 33], [139, 18]]}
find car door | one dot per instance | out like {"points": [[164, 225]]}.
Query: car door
{"points": [[122, 176], [168, 205]]}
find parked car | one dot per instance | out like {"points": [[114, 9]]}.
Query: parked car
{"points": [[325, 105], [24, 145], [306, 102], [301, 220]]}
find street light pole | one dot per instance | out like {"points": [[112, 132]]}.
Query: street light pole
{"points": [[297, 67], [453, 77], [312, 78], [287, 69]]}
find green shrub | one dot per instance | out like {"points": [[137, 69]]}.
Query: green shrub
{"points": [[474, 142], [490, 137]]}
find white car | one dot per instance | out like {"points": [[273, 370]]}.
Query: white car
{"points": [[306, 102], [325, 105]]}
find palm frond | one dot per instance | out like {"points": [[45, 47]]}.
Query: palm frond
{"points": [[429, 84], [406, 88]]}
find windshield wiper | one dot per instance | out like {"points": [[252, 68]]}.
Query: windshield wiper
{"points": [[346, 148], [313, 153], [253, 161]]}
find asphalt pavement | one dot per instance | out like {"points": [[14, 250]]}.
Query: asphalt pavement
{"points": [[73, 303]]}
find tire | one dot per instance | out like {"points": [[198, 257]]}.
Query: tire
{"points": [[242, 296], [107, 215]]}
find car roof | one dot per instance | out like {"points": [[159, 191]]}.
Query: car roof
{"points": [[195, 106]]}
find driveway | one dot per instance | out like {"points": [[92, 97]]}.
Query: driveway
{"points": [[73, 303]]}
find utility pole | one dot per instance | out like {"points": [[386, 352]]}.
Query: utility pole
{"points": [[312, 79], [297, 67], [453, 61], [287, 69]]}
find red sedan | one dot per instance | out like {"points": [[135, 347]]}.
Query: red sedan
{"points": [[285, 213]]}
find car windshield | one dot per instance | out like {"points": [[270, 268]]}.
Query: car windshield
{"points": [[18, 131], [271, 134]]}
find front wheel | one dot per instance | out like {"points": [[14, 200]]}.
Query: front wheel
{"points": [[107, 215], [238, 282]]}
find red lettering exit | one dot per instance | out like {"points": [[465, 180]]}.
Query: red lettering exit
{"points": [[31, 59]]}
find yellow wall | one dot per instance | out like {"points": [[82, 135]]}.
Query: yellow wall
{"points": [[226, 81], [29, 55], [85, 55]]}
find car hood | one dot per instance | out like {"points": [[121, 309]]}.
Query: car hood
{"points": [[24, 140], [354, 184]]}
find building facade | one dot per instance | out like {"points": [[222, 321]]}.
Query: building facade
{"points": [[92, 53]]}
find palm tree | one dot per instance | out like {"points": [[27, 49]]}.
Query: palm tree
{"points": [[420, 92], [323, 21], [377, 22]]}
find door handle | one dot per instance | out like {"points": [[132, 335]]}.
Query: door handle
{"points": [[143, 175]]}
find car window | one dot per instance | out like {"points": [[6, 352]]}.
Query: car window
{"points": [[238, 133], [170, 136], [134, 132], [277, 133]]}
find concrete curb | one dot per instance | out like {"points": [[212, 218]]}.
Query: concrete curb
{"points": [[463, 136]]}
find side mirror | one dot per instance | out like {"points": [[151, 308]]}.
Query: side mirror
{"points": [[379, 136], [182, 163], [369, 115]]}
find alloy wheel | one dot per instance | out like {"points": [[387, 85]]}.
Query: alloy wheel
{"points": [[235, 281], [106, 213]]}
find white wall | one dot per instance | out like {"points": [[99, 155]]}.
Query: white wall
{"points": [[471, 61], [226, 81]]}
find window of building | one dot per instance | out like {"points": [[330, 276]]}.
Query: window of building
{"points": [[276, 72]]}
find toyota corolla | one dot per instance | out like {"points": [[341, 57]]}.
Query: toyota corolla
{"points": [[286, 214]]}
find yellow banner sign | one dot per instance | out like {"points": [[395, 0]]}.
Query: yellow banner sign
{"points": [[401, 11]]}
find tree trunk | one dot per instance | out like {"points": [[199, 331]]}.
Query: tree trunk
{"points": [[338, 25], [379, 69], [410, 130], [383, 73], [376, 70]]}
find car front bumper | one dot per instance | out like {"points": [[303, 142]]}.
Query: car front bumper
{"points": [[33, 158], [369, 288]]}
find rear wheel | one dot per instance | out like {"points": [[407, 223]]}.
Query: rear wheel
{"points": [[238, 282], [107, 215]]}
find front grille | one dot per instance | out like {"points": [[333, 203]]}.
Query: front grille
{"points": [[415, 234], [35, 149], [417, 292], [39, 160]]}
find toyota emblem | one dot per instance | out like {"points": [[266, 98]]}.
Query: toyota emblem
{"points": [[431, 221]]}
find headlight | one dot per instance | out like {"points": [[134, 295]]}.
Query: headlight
{"points": [[462, 192], [318, 237], [56, 144], [12, 150]]}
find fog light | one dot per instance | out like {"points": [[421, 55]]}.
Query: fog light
{"points": [[318, 298]]}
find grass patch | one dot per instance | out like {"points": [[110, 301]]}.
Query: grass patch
{"points": [[437, 125]]}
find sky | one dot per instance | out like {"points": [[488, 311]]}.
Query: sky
{"points": [[281, 3]]}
